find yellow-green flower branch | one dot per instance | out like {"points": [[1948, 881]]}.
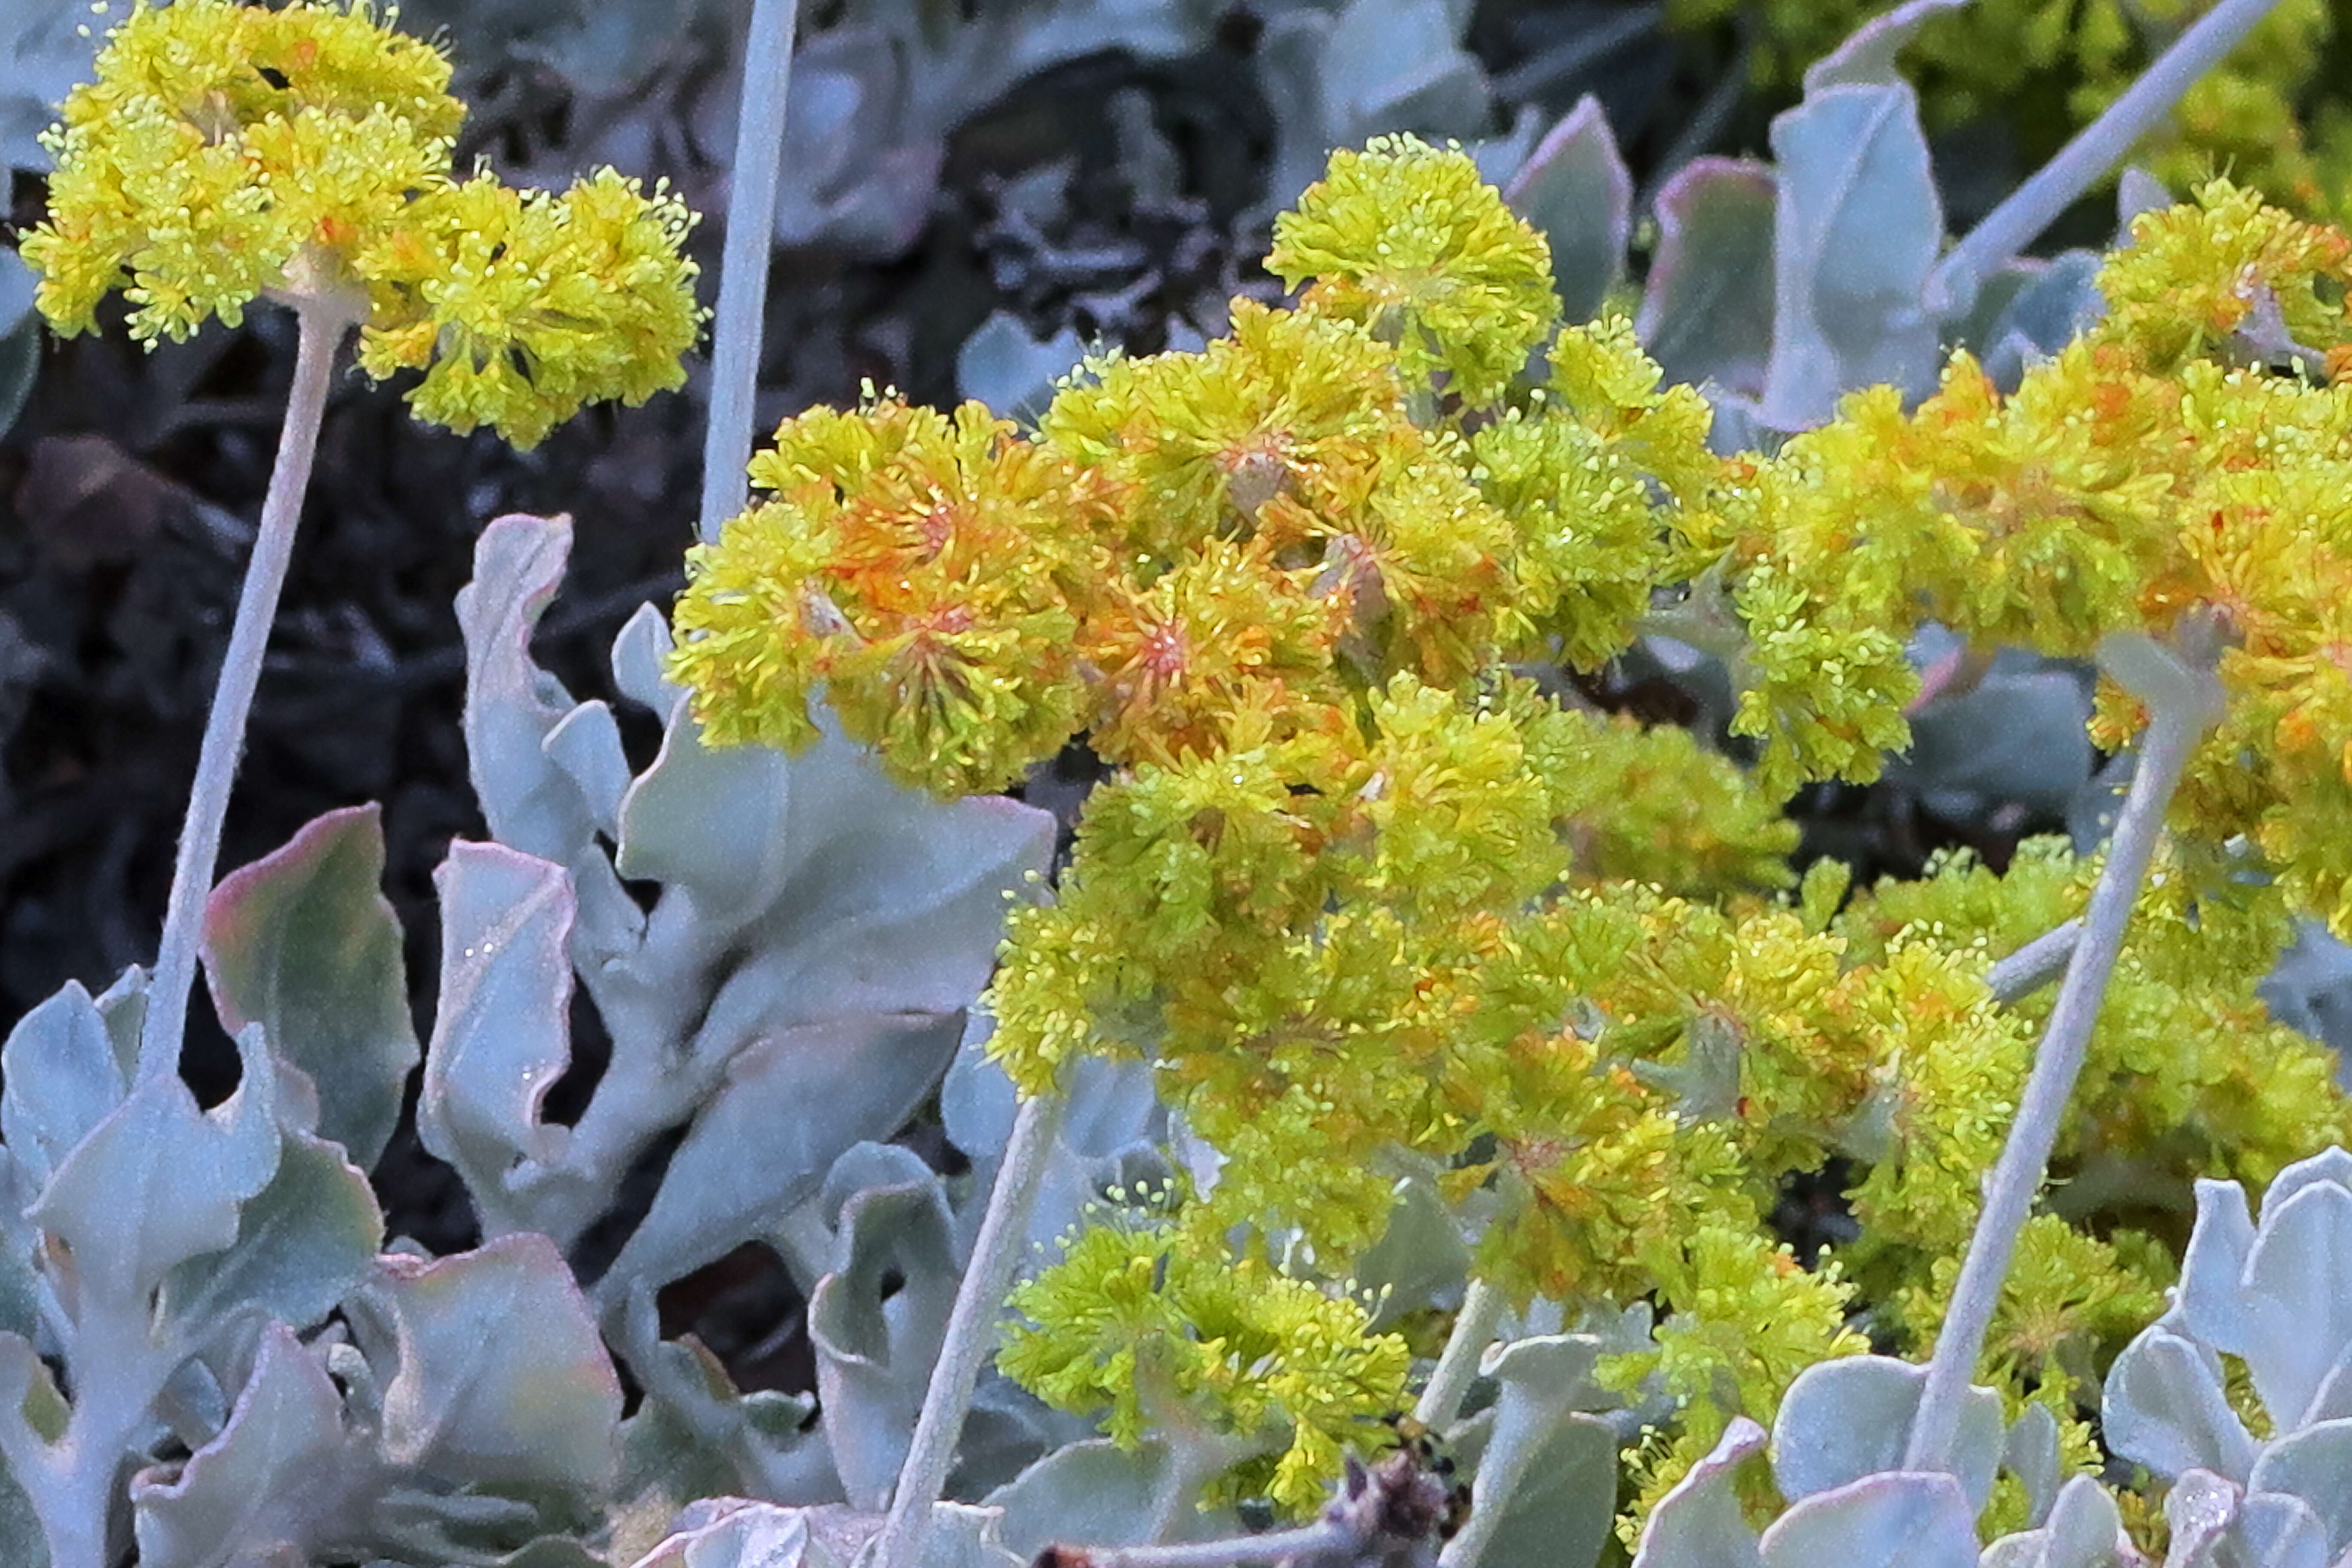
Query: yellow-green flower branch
{"points": [[1371, 902], [226, 153]]}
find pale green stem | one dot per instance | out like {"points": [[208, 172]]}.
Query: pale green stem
{"points": [[2034, 965], [321, 325], [970, 1332], [1457, 1364], [1196, 1457], [2035, 205], [2174, 728], [1323, 1540], [740, 324], [1499, 1477], [110, 1415]]}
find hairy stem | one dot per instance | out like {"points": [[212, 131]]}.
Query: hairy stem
{"points": [[2178, 718], [1473, 1331], [2035, 964], [1500, 1474], [1320, 1541], [971, 1331], [2098, 147], [741, 316], [321, 325]]}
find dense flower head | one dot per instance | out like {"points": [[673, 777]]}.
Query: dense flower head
{"points": [[1320, 983], [1826, 683], [1422, 566], [1139, 1322], [1216, 549], [917, 565], [1651, 804], [1288, 535], [2229, 273], [616, 317], [2027, 520], [1611, 1061], [2155, 476], [1592, 548], [523, 306], [1745, 1320], [1294, 932], [1600, 377], [1248, 541], [2186, 1073], [1227, 849], [1375, 905], [1224, 649], [1284, 403], [228, 153], [1458, 820], [220, 140], [1581, 471], [2070, 1302], [1941, 1105], [1407, 240], [1595, 1176]]}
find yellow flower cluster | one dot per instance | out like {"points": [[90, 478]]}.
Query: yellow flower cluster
{"points": [[1206, 553], [2157, 469], [228, 152], [1154, 1335], [1404, 240], [1371, 901], [1746, 1319]]}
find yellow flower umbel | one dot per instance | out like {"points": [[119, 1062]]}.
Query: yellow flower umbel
{"points": [[2158, 472], [228, 153], [922, 568], [1376, 908], [1162, 1334], [222, 143], [1208, 553], [1406, 239]]}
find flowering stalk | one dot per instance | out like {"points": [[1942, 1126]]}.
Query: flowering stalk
{"points": [[2098, 147], [321, 324], [1457, 1364], [971, 1331], [2035, 964], [2178, 720], [227, 153], [743, 267]]}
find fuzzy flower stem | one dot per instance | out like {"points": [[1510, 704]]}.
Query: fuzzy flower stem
{"points": [[321, 325], [1500, 1476], [1303, 1543], [2034, 965], [2019, 219], [743, 264], [970, 1332], [1473, 1331], [2178, 718]]}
